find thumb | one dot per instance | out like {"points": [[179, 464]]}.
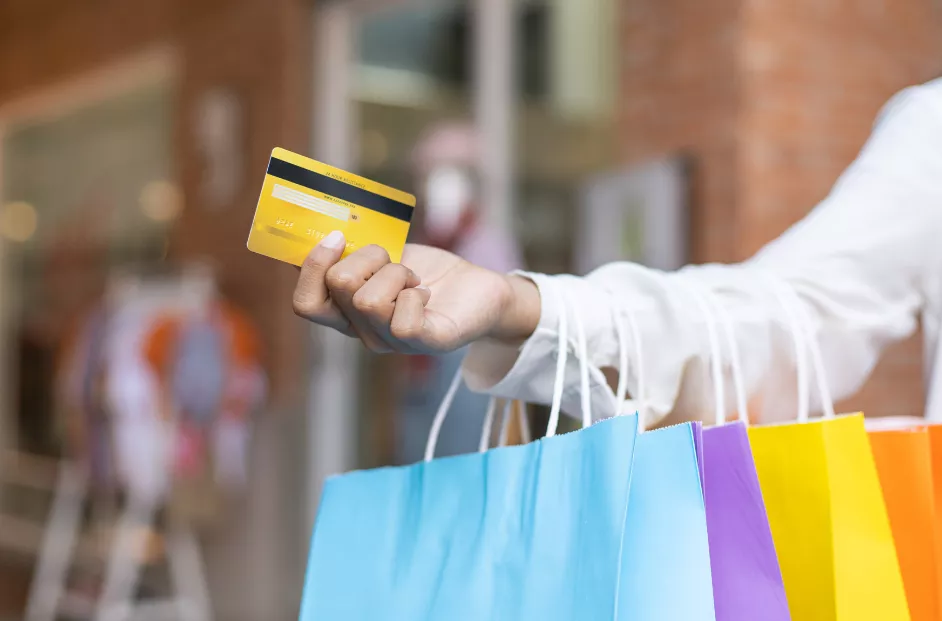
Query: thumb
{"points": [[311, 295]]}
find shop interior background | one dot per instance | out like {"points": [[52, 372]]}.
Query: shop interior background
{"points": [[133, 142]]}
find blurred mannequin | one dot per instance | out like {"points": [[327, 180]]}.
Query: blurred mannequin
{"points": [[208, 362], [449, 216], [449, 213]]}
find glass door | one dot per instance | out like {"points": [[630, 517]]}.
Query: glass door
{"points": [[389, 73]]}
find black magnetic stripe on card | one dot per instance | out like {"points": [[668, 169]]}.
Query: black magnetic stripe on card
{"points": [[338, 189]]}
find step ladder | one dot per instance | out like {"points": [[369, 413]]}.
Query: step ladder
{"points": [[58, 545]]}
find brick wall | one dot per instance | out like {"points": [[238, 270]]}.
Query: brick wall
{"points": [[679, 80], [774, 100]]}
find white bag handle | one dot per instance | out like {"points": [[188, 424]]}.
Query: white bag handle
{"points": [[622, 389], [562, 354], [562, 359], [739, 385], [817, 360], [526, 435], [802, 333], [735, 363], [440, 415], [716, 358], [485, 441], [583, 355]]}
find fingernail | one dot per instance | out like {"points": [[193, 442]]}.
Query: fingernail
{"points": [[333, 241], [422, 288]]}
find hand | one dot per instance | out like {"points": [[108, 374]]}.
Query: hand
{"points": [[433, 302]]}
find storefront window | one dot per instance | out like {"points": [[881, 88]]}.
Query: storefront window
{"points": [[82, 193], [425, 42], [566, 135]]}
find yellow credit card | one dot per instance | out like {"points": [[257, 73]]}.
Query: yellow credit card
{"points": [[303, 200]]}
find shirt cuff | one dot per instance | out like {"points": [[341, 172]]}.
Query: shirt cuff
{"points": [[494, 367], [528, 372]]}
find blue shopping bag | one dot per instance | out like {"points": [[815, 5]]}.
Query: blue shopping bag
{"points": [[522, 532], [666, 571], [578, 527]]}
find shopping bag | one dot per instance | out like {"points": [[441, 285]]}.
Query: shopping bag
{"points": [[903, 457], [521, 532], [747, 581], [935, 444], [666, 557], [824, 502], [825, 505], [829, 520]]}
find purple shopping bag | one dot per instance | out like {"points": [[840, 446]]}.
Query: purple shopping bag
{"points": [[747, 581]]}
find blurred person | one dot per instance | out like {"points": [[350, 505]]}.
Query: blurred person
{"points": [[443, 163], [865, 266]]}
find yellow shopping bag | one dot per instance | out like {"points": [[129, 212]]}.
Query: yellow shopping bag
{"points": [[828, 521], [825, 507]]}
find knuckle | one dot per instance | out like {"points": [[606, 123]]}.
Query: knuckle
{"points": [[305, 306], [340, 280], [377, 252], [401, 272], [367, 303], [405, 332], [392, 274]]}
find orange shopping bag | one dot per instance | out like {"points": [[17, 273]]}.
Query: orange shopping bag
{"points": [[904, 459], [935, 444]]}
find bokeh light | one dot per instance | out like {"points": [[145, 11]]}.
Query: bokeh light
{"points": [[18, 221], [161, 201]]}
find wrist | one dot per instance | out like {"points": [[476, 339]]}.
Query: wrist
{"points": [[520, 311]]}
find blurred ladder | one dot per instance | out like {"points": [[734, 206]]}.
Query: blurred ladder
{"points": [[48, 598]]}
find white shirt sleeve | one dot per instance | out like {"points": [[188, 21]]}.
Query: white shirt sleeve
{"points": [[862, 264]]}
